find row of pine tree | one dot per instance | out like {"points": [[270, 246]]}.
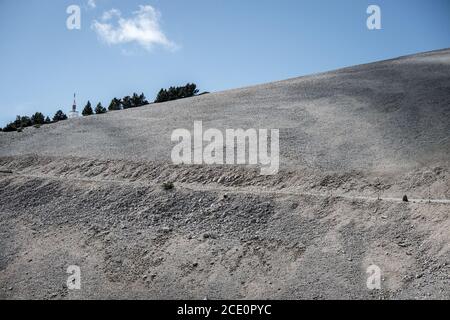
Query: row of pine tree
{"points": [[134, 101]]}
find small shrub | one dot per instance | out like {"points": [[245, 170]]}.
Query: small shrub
{"points": [[168, 186]]}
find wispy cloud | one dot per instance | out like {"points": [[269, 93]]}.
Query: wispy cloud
{"points": [[142, 28], [92, 4]]}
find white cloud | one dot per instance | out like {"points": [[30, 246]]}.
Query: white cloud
{"points": [[142, 28], [92, 4]]}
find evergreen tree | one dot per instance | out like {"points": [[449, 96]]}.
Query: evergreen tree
{"points": [[99, 109], [174, 93], [10, 127], [22, 122], [37, 118], [143, 100], [127, 102], [47, 119], [87, 111], [25, 122], [59, 116], [114, 105], [162, 96], [135, 101], [18, 122]]}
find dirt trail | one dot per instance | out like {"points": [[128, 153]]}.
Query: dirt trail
{"points": [[222, 232], [242, 190]]}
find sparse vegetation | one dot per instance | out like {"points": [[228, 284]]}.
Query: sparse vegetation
{"points": [[127, 102], [174, 93], [24, 121], [168, 186], [134, 101]]}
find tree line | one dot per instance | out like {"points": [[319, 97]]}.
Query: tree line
{"points": [[174, 93], [134, 101]]}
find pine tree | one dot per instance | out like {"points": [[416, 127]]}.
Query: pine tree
{"points": [[162, 96], [10, 127], [143, 100], [99, 109], [114, 105], [135, 101], [174, 93], [37, 118], [87, 111], [47, 119], [22, 122], [59, 116], [127, 102], [18, 122]]}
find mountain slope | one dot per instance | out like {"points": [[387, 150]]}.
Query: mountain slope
{"points": [[390, 114], [89, 192]]}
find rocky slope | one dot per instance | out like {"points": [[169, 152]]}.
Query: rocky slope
{"points": [[89, 192]]}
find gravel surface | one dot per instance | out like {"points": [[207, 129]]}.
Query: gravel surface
{"points": [[89, 192]]}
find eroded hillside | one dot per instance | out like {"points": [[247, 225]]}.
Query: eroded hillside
{"points": [[89, 192]]}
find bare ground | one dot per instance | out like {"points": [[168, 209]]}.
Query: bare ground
{"points": [[353, 142], [236, 237]]}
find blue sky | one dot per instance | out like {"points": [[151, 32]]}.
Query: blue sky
{"points": [[139, 45]]}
